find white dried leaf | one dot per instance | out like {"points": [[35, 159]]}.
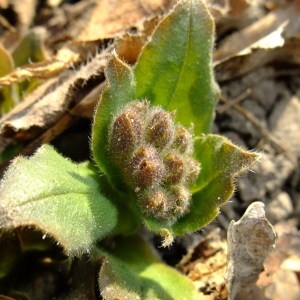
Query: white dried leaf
{"points": [[249, 241]]}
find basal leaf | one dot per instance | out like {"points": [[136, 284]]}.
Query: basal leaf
{"points": [[59, 197], [119, 90], [132, 271], [175, 68], [221, 162]]}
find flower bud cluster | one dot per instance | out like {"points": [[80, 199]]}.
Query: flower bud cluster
{"points": [[155, 158]]}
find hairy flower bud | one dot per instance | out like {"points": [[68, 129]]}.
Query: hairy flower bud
{"points": [[182, 198], [145, 168], [126, 133], [192, 171], [175, 168], [159, 131], [182, 139], [155, 159], [156, 203]]}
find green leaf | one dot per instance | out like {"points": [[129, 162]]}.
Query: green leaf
{"points": [[175, 68], [132, 271], [6, 62], [31, 48], [8, 94], [59, 197], [119, 90], [221, 162]]}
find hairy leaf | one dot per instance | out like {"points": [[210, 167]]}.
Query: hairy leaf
{"points": [[118, 92], [175, 68], [59, 197], [221, 162], [132, 271]]}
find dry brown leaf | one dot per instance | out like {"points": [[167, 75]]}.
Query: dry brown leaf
{"points": [[51, 101], [242, 41], [260, 43], [84, 109], [4, 4], [129, 46], [109, 20], [218, 8], [237, 6], [46, 69], [55, 105], [242, 64], [112, 18]]}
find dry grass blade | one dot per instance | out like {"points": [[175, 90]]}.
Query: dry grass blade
{"points": [[46, 69]]}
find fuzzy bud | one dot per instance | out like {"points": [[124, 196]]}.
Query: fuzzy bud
{"points": [[159, 131], [125, 134], [182, 139], [156, 203], [182, 198], [145, 168], [193, 170], [155, 158], [140, 107], [175, 168]]}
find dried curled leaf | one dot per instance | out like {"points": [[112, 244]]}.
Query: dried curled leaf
{"points": [[249, 241]]}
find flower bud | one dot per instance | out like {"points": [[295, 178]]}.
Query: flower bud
{"points": [[155, 203], [192, 171], [182, 139], [175, 168], [182, 198], [140, 107], [155, 159], [160, 128], [125, 135], [145, 168]]}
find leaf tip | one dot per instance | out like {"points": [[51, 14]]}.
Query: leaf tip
{"points": [[250, 157]]}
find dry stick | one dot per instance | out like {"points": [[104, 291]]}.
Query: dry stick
{"points": [[251, 118], [228, 104]]}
